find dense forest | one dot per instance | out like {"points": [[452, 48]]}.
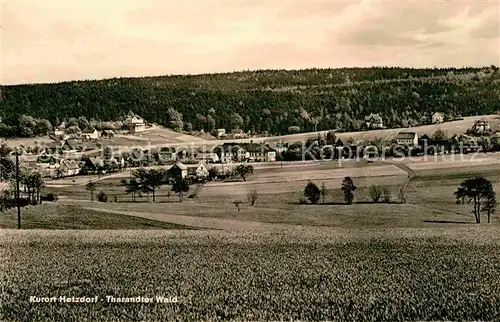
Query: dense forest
{"points": [[273, 101]]}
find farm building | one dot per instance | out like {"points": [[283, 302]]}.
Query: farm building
{"points": [[178, 170], [93, 164], [407, 138], [107, 134], [69, 168]]}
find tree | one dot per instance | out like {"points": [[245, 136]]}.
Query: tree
{"points": [[439, 135], [153, 180], [244, 171], [213, 173], [236, 121], [252, 196], [237, 203], [348, 189], [132, 187], [91, 186], [386, 194], [489, 204], [331, 138], [376, 193], [475, 190], [59, 173], [5, 150], [323, 191], [180, 186], [312, 192], [102, 197]]}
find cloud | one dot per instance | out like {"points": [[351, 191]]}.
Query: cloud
{"points": [[55, 40]]}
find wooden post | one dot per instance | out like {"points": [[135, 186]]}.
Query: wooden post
{"points": [[18, 201]]}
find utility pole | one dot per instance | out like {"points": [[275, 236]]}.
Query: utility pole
{"points": [[18, 201]]}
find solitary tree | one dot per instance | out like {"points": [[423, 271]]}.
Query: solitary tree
{"points": [[91, 186], [475, 190], [376, 193], [348, 189], [312, 192], [323, 191], [237, 203], [253, 195], [244, 171]]}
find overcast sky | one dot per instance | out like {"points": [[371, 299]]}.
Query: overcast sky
{"points": [[57, 40]]}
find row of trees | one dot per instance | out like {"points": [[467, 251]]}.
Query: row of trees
{"points": [[313, 193], [277, 102]]}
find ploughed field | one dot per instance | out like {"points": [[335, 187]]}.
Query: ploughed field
{"points": [[305, 274]]}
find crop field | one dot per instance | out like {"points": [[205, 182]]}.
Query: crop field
{"points": [[55, 216], [299, 274]]}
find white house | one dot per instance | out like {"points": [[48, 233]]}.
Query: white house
{"points": [[247, 152], [374, 121], [138, 124], [407, 138], [221, 132], [91, 134], [481, 126], [59, 132], [199, 171], [207, 157], [437, 118]]}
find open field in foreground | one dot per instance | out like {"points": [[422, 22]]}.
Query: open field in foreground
{"points": [[299, 274]]}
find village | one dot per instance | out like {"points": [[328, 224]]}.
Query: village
{"points": [[73, 153]]}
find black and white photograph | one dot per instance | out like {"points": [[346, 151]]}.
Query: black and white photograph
{"points": [[249, 160]]}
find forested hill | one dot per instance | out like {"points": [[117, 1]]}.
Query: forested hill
{"points": [[276, 101]]}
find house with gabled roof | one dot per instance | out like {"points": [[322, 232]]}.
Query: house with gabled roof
{"points": [[91, 134], [69, 168], [198, 171], [178, 170], [437, 117], [137, 124], [374, 121]]}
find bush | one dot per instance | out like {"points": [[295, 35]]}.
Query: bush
{"points": [[252, 196], [386, 194], [376, 193], [303, 201], [102, 197]]}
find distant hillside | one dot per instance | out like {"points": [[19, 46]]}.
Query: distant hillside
{"points": [[276, 101]]}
